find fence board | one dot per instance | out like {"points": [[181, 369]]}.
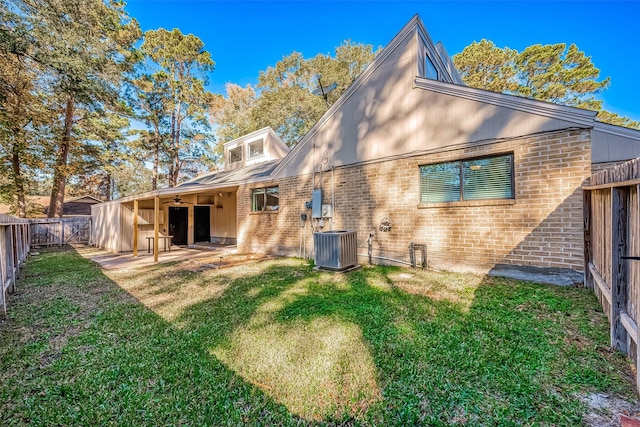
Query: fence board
{"points": [[630, 325], [619, 288], [604, 289], [10, 262], [586, 216]]}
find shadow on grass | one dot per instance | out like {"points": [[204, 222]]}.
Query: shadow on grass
{"points": [[359, 347], [275, 343], [81, 352]]}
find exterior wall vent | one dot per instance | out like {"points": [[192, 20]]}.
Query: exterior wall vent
{"points": [[335, 250]]}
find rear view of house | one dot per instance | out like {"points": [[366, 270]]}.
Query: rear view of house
{"points": [[408, 154]]}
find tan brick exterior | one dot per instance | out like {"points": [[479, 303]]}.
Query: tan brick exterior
{"points": [[542, 227]]}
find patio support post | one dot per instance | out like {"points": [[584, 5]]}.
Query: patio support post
{"points": [[135, 228], [156, 226]]}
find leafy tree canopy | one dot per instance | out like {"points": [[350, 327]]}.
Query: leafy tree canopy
{"points": [[282, 98]]}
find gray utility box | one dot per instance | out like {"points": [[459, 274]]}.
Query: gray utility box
{"points": [[335, 250]]}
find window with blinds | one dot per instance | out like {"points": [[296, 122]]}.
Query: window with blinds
{"points": [[477, 179], [440, 183]]}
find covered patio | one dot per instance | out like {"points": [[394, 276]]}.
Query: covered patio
{"points": [[201, 210], [165, 223]]}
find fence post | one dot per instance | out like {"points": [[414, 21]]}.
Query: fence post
{"points": [[15, 244], [10, 258], [586, 213], [61, 233], [619, 285], [3, 270]]}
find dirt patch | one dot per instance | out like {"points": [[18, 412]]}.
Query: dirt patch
{"points": [[56, 344], [604, 410]]}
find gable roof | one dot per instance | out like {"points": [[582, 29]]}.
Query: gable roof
{"points": [[254, 135], [414, 26], [83, 199], [273, 147], [342, 132]]}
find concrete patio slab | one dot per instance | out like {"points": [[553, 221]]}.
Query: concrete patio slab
{"points": [[112, 261]]}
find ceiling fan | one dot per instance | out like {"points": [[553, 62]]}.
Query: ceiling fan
{"points": [[178, 201]]}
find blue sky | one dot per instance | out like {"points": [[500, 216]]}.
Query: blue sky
{"points": [[245, 37]]}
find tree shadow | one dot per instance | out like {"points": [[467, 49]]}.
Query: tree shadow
{"points": [[88, 354], [283, 344], [366, 347]]}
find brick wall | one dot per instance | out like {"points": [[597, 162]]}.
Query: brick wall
{"points": [[542, 227]]}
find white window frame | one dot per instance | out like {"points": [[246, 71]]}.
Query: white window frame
{"points": [[239, 147], [249, 144]]}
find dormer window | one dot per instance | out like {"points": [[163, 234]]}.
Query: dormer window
{"points": [[256, 148], [235, 155], [430, 70]]}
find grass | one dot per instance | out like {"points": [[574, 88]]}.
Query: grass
{"points": [[276, 343]]}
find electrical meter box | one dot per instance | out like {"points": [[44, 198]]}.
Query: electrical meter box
{"points": [[316, 204], [327, 211]]}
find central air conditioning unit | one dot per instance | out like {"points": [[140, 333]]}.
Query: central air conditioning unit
{"points": [[335, 250]]}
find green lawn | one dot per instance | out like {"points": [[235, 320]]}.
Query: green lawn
{"points": [[275, 343]]}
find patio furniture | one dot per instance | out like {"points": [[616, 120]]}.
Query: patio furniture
{"points": [[164, 238]]}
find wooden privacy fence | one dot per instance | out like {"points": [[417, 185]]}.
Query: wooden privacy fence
{"points": [[14, 248], [60, 231], [612, 251]]}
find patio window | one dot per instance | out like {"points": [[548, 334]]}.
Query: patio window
{"points": [[256, 148], [265, 199], [485, 178], [235, 155]]}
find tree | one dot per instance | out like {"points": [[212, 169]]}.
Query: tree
{"points": [[552, 73], [22, 115], [184, 66], [556, 74], [94, 165], [152, 103], [283, 99], [286, 102], [233, 114], [485, 66], [84, 47], [615, 119]]}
